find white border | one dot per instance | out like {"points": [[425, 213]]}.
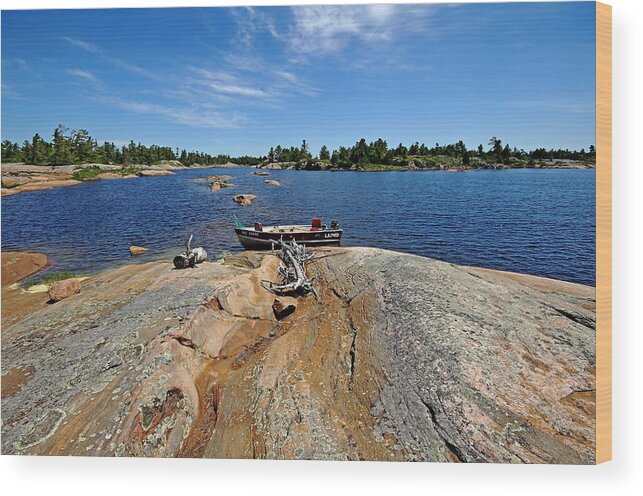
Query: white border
{"points": [[115, 477]]}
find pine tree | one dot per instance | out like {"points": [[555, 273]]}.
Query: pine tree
{"points": [[505, 155], [465, 157], [63, 152], [324, 154], [39, 155]]}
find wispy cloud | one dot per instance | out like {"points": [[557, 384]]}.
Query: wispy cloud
{"points": [[250, 22], [20, 65], [208, 95], [91, 48], [196, 117], [227, 83], [329, 28], [132, 68], [288, 76], [79, 73], [188, 106], [8, 91], [82, 44], [278, 79]]}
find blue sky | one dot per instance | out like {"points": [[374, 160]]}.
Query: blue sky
{"points": [[240, 80]]}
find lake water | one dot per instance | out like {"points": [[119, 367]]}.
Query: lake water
{"points": [[538, 222]]}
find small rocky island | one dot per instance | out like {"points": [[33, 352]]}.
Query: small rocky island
{"points": [[400, 358], [20, 178]]}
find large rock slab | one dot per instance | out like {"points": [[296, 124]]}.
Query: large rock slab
{"points": [[39, 185], [154, 172], [17, 266], [401, 358]]}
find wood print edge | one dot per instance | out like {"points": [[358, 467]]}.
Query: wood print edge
{"points": [[603, 232]]}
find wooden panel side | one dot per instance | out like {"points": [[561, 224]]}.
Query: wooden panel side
{"points": [[603, 232]]}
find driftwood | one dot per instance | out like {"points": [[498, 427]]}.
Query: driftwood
{"points": [[191, 257], [293, 273]]}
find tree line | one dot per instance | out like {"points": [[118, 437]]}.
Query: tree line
{"points": [[78, 147], [379, 152]]}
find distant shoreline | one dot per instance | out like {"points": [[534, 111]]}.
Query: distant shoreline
{"points": [[21, 177], [394, 168]]}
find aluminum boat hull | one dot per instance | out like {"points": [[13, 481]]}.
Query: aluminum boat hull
{"points": [[263, 240]]}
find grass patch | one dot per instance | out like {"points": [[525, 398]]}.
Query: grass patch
{"points": [[49, 279], [380, 167], [87, 173]]}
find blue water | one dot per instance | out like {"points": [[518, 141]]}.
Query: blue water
{"points": [[538, 222]]}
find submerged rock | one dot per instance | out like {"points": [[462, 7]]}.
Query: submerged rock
{"points": [[244, 200], [260, 173], [401, 358], [212, 178], [137, 250], [273, 182], [217, 185]]}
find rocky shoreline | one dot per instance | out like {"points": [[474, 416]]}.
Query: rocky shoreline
{"points": [[418, 165], [401, 358], [19, 177]]}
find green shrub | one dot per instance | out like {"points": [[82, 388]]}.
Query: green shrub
{"points": [[86, 173], [378, 167], [128, 170]]}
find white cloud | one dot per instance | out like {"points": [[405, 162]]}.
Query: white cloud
{"points": [[275, 76], [89, 47], [132, 68], [260, 82], [288, 76], [82, 74], [227, 83], [196, 117], [20, 65], [329, 28], [82, 44], [8, 91], [244, 62], [251, 21], [235, 89]]}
